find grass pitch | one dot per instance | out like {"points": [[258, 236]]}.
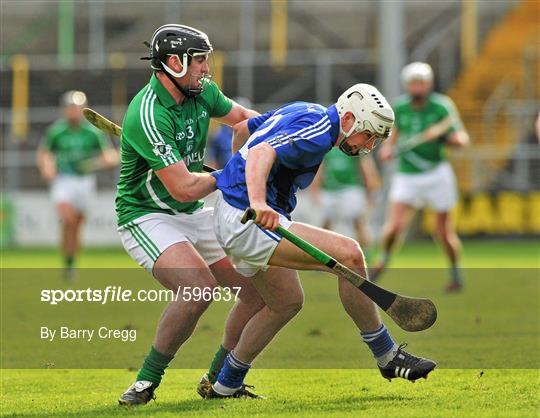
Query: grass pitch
{"points": [[486, 342]]}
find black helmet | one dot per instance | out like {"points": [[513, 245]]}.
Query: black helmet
{"points": [[183, 41]]}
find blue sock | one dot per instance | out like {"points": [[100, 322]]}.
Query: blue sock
{"points": [[381, 344], [232, 374], [456, 274]]}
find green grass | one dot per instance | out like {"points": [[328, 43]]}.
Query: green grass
{"points": [[335, 393], [486, 341]]}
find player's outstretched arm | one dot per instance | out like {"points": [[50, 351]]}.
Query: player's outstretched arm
{"points": [[459, 139], [110, 157], [185, 186], [46, 164], [370, 173], [259, 162], [387, 150]]}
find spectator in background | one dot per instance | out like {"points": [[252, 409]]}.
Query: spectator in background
{"points": [[220, 141], [70, 152]]}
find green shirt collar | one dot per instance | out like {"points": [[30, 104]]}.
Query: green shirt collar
{"points": [[163, 95]]}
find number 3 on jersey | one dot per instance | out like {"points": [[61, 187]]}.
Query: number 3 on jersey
{"points": [[189, 133]]}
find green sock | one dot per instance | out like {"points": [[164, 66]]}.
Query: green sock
{"points": [[69, 262], [217, 364], [154, 366]]}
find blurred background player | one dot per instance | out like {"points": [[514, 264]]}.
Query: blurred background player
{"points": [[67, 157], [220, 141], [346, 187], [424, 177]]}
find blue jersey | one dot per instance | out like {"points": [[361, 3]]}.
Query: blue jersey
{"points": [[301, 134]]}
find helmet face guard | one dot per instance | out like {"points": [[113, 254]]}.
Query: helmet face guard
{"points": [[372, 142], [196, 82]]}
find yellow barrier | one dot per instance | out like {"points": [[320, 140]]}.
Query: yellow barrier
{"points": [[503, 213], [278, 33], [19, 98]]}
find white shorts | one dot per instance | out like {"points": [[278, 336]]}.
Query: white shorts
{"points": [[348, 203], [248, 246], [147, 237], [435, 188], [78, 191]]}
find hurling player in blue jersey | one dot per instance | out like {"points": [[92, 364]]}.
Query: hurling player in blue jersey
{"points": [[282, 153]]}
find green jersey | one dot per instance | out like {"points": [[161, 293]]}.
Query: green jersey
{"points": [[411, 121], [72, 145], [156, 133], [340, 171]]}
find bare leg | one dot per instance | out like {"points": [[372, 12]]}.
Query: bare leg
{"points": [[446, 234], [71, 221], [281, 291], [248, 304], [180, 265], [399, 218], [360, 308]]}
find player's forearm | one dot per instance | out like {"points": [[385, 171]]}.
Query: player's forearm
{"points": [[110, 158], [46, 164], [459, 139], [259, 162], [197, 186], [185, 186]]}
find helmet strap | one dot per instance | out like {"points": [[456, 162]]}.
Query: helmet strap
{"points": [[171, 75], [184, 67]]}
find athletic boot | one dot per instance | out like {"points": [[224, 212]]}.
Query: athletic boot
{"points": [[139, 393], [243, 392], [407, 366], [204, 386], [453, 287]]}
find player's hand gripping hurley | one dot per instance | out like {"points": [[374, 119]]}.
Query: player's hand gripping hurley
{"points": [[411, 314], [111, 128]]}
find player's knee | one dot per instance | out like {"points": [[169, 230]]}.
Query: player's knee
{"points": [[353, 257], [68, 220], [442, 231], [248, 295], [291, 309], [195, 308], [288, 307]]}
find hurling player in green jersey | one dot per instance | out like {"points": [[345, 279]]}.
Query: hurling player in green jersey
{"points": [[162, 221], [70, 151], [424, 176], [345, 187]]}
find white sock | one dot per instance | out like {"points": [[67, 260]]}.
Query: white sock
{"points": [[224, 390], [388, 357]]}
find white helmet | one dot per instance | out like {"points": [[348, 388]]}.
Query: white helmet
{"points": [[372, 114], [416, 71], [73, 98]]}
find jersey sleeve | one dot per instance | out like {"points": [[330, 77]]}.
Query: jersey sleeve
{"points": [[151, 134], [300, 148], [254, 123], [219, 105], [448, 109]]}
